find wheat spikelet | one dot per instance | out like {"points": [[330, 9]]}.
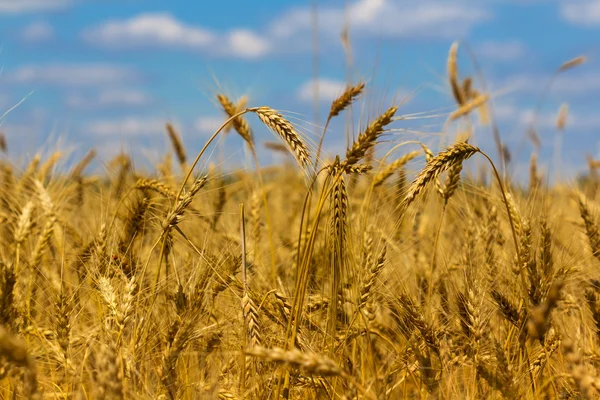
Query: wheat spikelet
{"points": [[546, 259], [177, 144], [277, 147], [309, 362], [561, 118], [251, 318], [366, 292], [29, 173], [534, 179], [48, 165], [275, 121], [453, 75], [239, 123], [451, 183], [44, 198], [24, 222], [367, 139], [514, 213], [454, 155], [470, 319], [3, 146], [133, 224], [591, 228], [174, 347], [156, 186], [551, 344], [174, 216], [467, 87], [414, 317], [339, 206], [255, 215], [43, 242], [469, 106], [572, 63], [389, 170], [507, 308], [83, 164], [124, 163], [62, 322], [345, 99]]}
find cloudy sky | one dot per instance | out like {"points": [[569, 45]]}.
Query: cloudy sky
{"points": [[109, 74]]}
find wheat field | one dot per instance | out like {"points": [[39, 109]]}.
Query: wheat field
{"points": [[357, 276]]}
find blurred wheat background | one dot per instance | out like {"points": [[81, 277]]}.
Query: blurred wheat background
{"points": [[362, 250]]}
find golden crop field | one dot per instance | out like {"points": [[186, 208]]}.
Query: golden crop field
{"points": [[358, 276]]}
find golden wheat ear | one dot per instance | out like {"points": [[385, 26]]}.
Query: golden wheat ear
{"points": [[454, 155], [346, 99], [239, 123], [457, 91], [282, 127], [367, 139], [177, 144], [572, 63]]}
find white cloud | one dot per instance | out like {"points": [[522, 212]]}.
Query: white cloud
{"points": [[150, 29], [39, 31], [208, 124], [289, 32], [545, 120], [109, 98], [575, 121], [126, 127], [583, 12], [572, 83], [245, 43], [386, 18], [21, 6], [501, 51], [329, 89], [72, 74]]}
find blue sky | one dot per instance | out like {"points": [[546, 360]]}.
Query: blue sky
{"points": [[109, 74]]}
